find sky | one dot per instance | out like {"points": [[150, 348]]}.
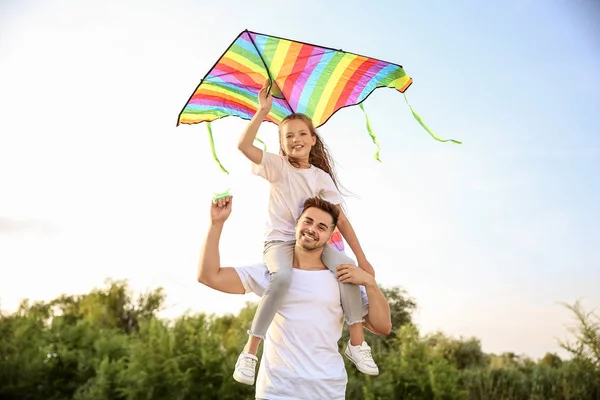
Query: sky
{"points": [[489, 237]]}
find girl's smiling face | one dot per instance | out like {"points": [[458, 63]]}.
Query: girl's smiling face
{"points": [[297, 139]]}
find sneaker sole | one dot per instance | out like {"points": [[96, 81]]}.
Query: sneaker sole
{"points": [[243, 379], [358, 368]]}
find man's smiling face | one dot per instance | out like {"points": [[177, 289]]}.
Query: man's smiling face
{"points": [[314, 229]]}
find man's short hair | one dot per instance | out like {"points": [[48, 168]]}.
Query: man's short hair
{"points": [[323, 205]]}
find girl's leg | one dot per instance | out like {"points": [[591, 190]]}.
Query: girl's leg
{"points": [[350, 294], [357, 351], [278, 256]]}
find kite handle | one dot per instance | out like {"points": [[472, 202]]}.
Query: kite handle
{"points": [[220, 196]]}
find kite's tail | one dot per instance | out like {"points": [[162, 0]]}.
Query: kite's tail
{"points": [[371, 133], [337, 240], [417, 117], [214, 152], [420, 121], [212, 148], [261, 142]]}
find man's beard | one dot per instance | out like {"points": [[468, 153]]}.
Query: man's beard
{"points": [[310, 244]]}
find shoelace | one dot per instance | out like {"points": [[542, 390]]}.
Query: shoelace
{"points": [[366, 352], [248, 362]]}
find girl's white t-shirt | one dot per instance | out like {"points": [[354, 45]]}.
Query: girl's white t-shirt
{"points": [[289, 188]]}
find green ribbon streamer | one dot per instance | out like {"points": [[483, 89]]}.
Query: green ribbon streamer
{"points": [[212, 148], [420, 121], [370, 130], [263, 143]]}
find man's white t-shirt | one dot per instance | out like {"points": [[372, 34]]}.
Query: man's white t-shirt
{"points": [[290, 187], [301, 359]]}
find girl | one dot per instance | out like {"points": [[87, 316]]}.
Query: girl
{"points": [[304, 169]]}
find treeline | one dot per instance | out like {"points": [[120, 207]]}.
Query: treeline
{"points": [[110, 345]]}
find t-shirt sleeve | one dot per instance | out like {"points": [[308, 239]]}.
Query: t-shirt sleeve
{"points": [[255, 278], [328, 191], [270, 167]]}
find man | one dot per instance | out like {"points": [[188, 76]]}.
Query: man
{"points": [[300, 353]]}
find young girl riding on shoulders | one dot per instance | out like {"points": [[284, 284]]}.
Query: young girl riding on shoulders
{"points": [[303, 170]]}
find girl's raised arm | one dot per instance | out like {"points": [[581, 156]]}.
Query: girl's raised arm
{"points": [[246, 142]]}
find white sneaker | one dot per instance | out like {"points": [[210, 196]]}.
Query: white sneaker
{"points": [[362, 358], [245, 369]]}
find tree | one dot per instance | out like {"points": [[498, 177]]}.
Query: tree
{"points": [[586, 347], [551, 360], [110, 345]]}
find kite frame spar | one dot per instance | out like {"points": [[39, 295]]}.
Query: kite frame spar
{"points": [[271, 81]]}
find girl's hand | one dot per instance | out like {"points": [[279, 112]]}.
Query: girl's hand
{"points": [[265, 100], [366, 266]]}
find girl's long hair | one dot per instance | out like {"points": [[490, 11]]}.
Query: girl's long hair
{"points": [[319, 154]]}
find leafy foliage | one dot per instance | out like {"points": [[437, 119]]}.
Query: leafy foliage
{"points": [[109, 345]]}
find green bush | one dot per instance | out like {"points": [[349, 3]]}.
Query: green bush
{"points": [[108, 345]]}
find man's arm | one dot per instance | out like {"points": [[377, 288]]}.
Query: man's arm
{"points": [[210, 272], [378, 320]]}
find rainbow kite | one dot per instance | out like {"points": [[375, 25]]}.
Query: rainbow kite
{"points": [[304, 78]]}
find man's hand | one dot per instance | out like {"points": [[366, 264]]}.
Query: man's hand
{"points": [[366, 266], [220, 211], [348, 273], [378, 320], [210, 271]]}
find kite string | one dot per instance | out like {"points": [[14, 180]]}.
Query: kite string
{"points": [[371, 133], [420, 121]]}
